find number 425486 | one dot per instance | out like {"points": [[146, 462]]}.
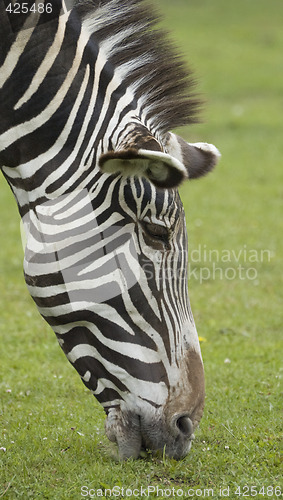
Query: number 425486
{"points": [[25, 8], [253, 491]]}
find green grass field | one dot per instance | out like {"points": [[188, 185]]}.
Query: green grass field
{"points": [[52, 440]]}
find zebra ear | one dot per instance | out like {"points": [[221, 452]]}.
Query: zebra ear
{"points": [[163, 170], [198, 158]]}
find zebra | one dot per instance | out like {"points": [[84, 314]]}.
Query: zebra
{"points": [[89, 94]]}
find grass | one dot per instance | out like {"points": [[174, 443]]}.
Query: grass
{"points": [[51, 427]]}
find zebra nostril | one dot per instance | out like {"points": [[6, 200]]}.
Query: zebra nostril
{"points": [[185, 426]]}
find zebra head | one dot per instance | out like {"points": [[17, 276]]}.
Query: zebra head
{"points": [[108, 272], [162, 398], [87, 101]]}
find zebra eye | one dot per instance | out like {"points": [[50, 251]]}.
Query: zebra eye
{"points": [[156, 231]]}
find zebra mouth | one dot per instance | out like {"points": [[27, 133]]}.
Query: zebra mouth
{"points": [[136, 435], [145, 451]]}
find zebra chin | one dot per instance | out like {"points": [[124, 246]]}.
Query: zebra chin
{"points": [[134, 434]]}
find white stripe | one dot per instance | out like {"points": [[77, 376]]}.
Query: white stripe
{"points": [[46, 63], [142, 389], [105, 311], [133, 351], [25, 128], [17, 48]]}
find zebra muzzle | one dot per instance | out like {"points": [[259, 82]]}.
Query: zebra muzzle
{"points": [[133, 434]]}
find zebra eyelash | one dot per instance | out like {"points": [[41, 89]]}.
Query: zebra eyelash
{"points": [[157, 232]]}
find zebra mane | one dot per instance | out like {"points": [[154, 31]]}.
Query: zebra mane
{"points": [[127, 30]]}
